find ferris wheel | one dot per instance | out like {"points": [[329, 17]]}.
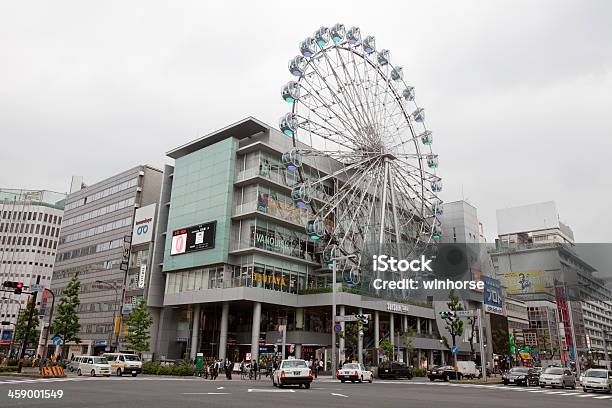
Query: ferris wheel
{"points": [[361, 150]]}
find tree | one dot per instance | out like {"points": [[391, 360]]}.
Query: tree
{"points": [[409, 343], [22, 323], [454, 326], [138, 325], [472, 336], [66, 323], [351, 338], [387, 347]]}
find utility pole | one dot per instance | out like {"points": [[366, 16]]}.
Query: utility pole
{"points": [[28, 327], [483, 368], [50, 321]]}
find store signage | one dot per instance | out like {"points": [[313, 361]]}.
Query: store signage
{"points": [[143, 224], [141, 276], [397, 307], [196, 238], [264, 240], [269, 279]]}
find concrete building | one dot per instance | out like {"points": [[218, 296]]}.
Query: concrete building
{"points": [[29, 233], [98, 226], [536, 258], [233, 262]]}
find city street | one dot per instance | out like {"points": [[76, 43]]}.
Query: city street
{"points": [[190, 392]]}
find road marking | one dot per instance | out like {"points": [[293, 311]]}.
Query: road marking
{"points": [[559, 392], [569, 393], [267, 390], [584, 395], [220, 388], [339, 395], [538, 391], [206, 393], [603, 397]]}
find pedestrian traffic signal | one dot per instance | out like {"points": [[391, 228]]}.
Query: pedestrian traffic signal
{"points": [[448, 315], [17, 286]]}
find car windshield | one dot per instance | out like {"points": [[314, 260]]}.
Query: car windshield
{"points": [[131, 357], [295, 364], [554, 371], [518, 370], [350, 367], [100, 360], [596, 374]]}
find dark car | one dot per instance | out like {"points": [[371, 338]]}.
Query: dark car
{"points": [[521, 376], [444, 373], [394, 370]]}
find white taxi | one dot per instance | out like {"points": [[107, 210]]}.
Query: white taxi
{"points": [[354, 372], [292, 372]]}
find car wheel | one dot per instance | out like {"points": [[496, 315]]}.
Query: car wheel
{"points": [[307, 386], [108, 375], [342, 381], [273, 383], [119, 374], [459, 377], [585, 390], [361, 379], [79, 373], [134, 374], [541, 386], [431, 379], [371, 378], [93, 373], [447, 378], [608, 390]]}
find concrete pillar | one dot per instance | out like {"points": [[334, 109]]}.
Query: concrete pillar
{"points": [[404, 324], [298, 351], [429, 328], [442, 357], [90, 348], [223, 331], [341, 340], [418, 328], [255, 331], [195, 331], [376, 335], [360, 340], [430, 358], [392, 335], [418, 364]]}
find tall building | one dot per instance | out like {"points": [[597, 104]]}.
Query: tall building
{"points": [[537, 259], [29, 232], [98, 226], [233, 262]]}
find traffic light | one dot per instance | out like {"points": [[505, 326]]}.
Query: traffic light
{"points": [[18, 286], [362, 318], [450, 316]]}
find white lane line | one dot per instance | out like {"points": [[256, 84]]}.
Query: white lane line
{"points": [[268, 390], [220, 388], [206, 393], [538, 391], [584, 395], [603, 397], [339, 395], [570, 393], [559, 392]]}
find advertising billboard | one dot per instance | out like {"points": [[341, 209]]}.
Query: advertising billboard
{"points": [[143, 224], [195, 238], [492, 295], [532, 281]]}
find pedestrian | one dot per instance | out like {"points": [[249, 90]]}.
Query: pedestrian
{"points": [[255, 369], [315, 367], [228, 369], [215, 370], [320, 367]]}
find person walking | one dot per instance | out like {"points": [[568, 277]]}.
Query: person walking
{"points": [[315, 367], [215, 370], [228, 369], [255, 369]]}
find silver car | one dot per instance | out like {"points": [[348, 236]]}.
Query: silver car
{"points": [[597, 380], [558, 377]]}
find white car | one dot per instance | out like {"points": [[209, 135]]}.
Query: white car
{"points": [[354, 372], [94, 366], [122, 363], [292, 372], [597, 380], [557, 377]]}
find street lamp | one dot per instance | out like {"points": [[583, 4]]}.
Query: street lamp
{"points": [[116, 289]]}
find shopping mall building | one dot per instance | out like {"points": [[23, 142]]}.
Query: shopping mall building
{"points": [[232, 262]]}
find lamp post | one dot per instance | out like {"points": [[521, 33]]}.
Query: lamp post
{"points": [[50, 322], [116, 289]]}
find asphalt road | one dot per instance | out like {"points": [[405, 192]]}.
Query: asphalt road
{"points": [[188, 392]]}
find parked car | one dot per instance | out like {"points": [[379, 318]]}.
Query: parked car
{"points": [[73, 365], [521, 376], [558, 377], [354, 372], [444, 373], [390, 369], [597, 379]]}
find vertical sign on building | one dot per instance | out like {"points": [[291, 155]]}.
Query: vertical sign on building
{"points": [[143, 224], [492, 295]]}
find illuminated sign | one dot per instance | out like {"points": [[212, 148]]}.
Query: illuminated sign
{"points": [[196, 238]]}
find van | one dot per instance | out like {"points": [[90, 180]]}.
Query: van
{"points": [[123, 363], [93, 365], [468, 369]]}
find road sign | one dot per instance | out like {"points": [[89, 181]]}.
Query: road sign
{"points": [[36, 287], [455, 350], [381, 352], [464, 313], [337, 328], [57, 340]]}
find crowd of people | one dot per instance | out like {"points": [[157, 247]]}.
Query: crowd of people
{"points": [[249, 369]]}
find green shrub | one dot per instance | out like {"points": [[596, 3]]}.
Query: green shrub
{"points": [[8, 369], [150, 367], [165, 370], [182, 369], [419, 372]]}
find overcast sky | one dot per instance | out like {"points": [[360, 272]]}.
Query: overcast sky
{"points": [[517, 93]]}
